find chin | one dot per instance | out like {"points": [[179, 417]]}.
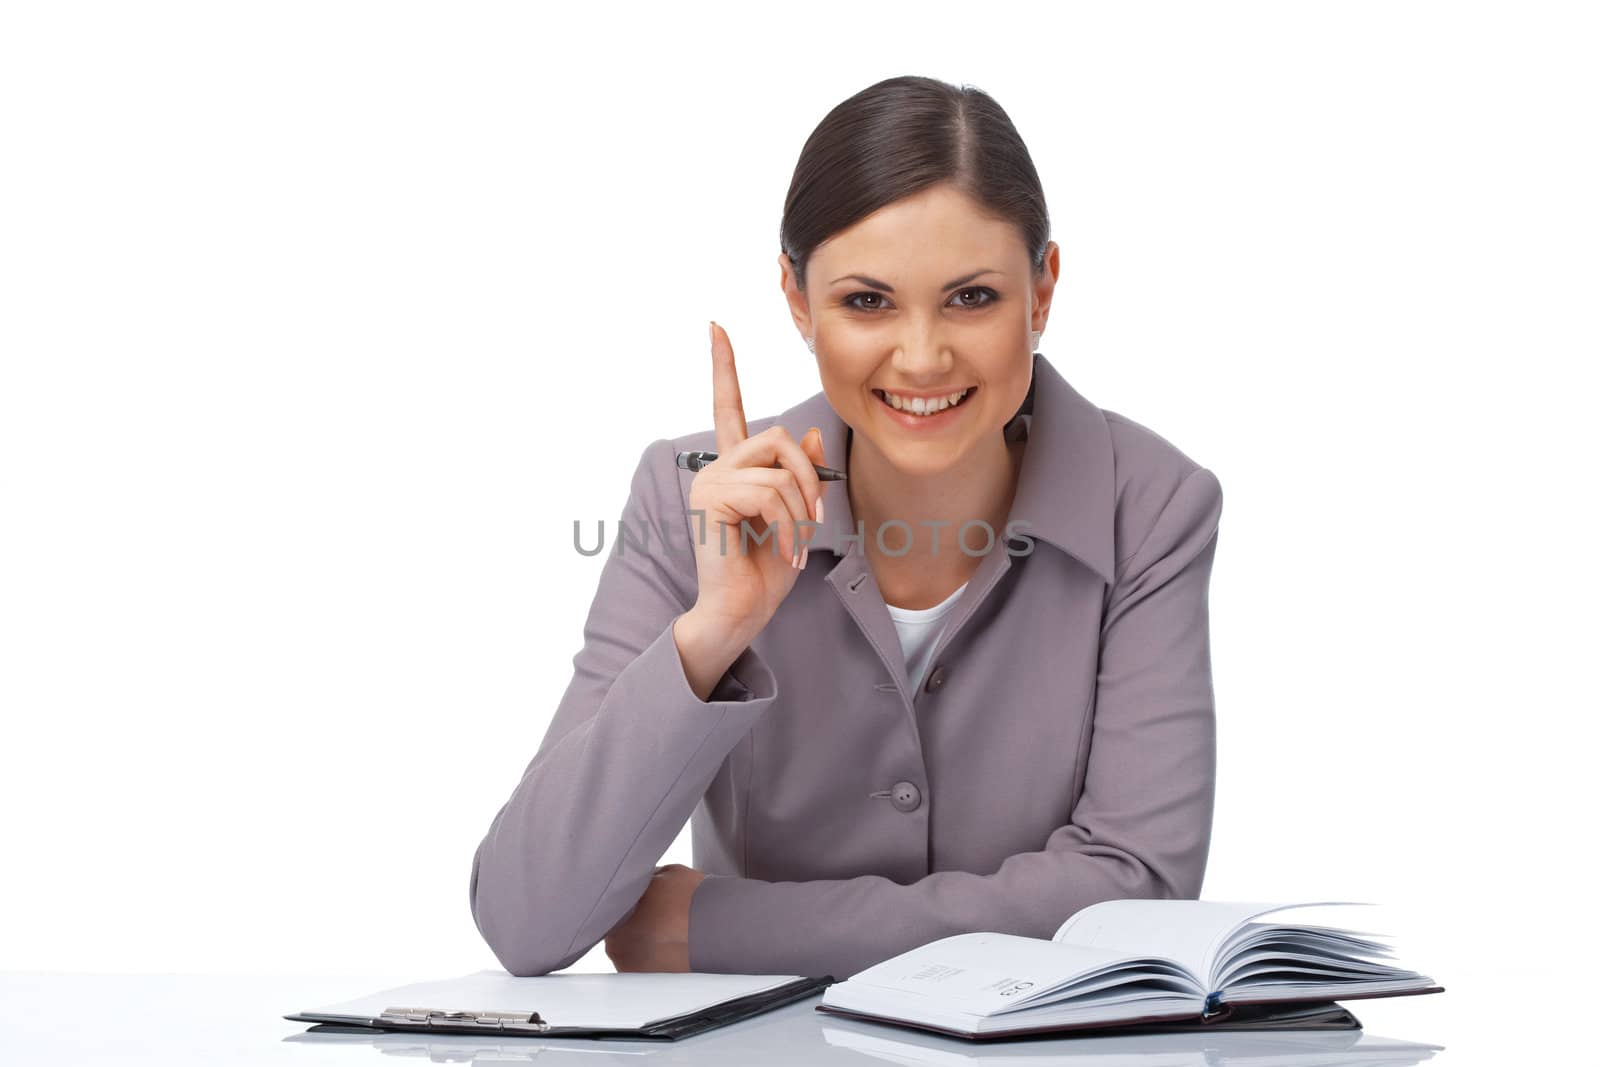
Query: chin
{"points": [[922, 459]]}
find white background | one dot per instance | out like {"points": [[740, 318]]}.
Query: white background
{"points": [[322, 322]]}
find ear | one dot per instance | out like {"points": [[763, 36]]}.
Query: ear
{"points": [[799, 303], [1044, 286]]}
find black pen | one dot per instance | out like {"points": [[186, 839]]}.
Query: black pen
{"points": [[693, 461]]}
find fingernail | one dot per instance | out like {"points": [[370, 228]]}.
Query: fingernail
{"points": [[711, 327], [819, 508], [805, 554], [794, 560]]}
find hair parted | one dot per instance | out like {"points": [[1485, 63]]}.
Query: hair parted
{"points": [[897, 137]]}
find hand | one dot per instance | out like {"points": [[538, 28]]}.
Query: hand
{"points": [[768, 481], [655, 935]]}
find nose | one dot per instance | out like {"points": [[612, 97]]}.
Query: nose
{"points": [[922, 355]]}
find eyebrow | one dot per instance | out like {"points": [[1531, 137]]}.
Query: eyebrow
{"points": [[886, 287]]}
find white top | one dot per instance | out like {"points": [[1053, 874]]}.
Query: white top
{"points": [[919, 630]]}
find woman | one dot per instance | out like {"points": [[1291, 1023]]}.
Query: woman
{"points": [[980, 699]]}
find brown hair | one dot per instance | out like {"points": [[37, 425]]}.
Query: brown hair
{"points": [[898, 137]]}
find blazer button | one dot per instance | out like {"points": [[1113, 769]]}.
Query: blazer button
{"points": [[906, 796], [935, 679]]}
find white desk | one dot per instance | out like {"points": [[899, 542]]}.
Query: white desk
{"points": [[81, 1019]]}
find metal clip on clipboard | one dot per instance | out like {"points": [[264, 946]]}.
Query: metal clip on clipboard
{"points": [[489, 1020]]}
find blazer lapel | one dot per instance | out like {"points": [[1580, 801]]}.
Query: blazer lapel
{"points": [[1065, 498]]}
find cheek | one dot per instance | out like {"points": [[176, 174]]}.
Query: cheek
{"points": [[1008, 333], [843, 367]]}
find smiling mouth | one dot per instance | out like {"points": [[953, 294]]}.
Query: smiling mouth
{"points": [[906, 407]]}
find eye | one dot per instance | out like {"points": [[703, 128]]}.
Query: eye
{"points": [[849, 301], [988, 296]]}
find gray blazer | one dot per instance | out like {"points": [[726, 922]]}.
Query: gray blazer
{"points": [[1061, 750]]}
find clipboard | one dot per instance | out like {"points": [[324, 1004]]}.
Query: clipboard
{"points": [[632, 1005]]}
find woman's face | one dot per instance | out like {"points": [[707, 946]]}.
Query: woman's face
{"points": [[925, 298]]}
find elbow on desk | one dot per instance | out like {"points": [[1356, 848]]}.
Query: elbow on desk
{"points": [[530, 956], [511, 927], [1125, 870], [1167, 878]]}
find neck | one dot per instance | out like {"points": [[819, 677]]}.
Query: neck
{"points": [[980, 486]]}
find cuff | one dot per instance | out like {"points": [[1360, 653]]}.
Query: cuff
{"points": [[747, 678]]}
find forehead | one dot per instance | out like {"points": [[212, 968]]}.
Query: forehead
{"points": [[935, 232]]}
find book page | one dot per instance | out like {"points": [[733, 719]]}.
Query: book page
{"points": [[989, 973], [1188, 931], [1269, 959]]}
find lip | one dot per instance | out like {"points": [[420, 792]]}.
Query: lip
{"points": [[924, 423]]}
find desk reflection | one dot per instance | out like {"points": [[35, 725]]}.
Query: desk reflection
{"points": [[798, 1034]]}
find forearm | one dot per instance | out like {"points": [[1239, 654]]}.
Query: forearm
{"points": [[574, 847], [841, 926]]}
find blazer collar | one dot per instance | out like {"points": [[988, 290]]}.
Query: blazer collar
{"points": [[1066, 489]]}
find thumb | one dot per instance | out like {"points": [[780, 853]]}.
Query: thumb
{"points": [[811, 444]]}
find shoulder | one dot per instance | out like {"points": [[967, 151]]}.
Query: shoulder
{"points": [[1156, 482]]}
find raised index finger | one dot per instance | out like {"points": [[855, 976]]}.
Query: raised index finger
{"points": [[727, 407]]}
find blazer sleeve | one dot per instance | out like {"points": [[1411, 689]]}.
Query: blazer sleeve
{"points": [[627, 755], [1141, 827]]}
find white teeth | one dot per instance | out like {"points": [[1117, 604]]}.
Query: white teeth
{"points": [[919, 406]]}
